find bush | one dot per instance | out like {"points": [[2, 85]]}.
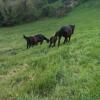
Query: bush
{"points": [[54, 10], [1, 19], [13, 12]]}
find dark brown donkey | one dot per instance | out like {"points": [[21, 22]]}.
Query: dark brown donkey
{"points": [[34, 40], [66, 32]]}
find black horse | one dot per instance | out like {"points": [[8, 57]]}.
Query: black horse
{"points": [[34, 40], [66, 32]]}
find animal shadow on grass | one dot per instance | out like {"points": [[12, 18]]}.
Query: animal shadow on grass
{"points": [[12, 51]]}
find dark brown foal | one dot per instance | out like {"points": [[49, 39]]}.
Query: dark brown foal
{"points": [[53, 40]]}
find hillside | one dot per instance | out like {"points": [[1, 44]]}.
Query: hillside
{"points": [[70, 72]]}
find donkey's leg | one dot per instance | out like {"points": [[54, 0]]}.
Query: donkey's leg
{"points": [[41, 42], [50, 44], [64, 40], [59, 40], [32, 44], [54, 44], [27, 45], [69, 38]]}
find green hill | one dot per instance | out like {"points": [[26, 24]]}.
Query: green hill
{"points": [[70, 72]]}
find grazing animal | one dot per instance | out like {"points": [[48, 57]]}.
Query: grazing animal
{"points": [[66, 32], [53, 40], [34, 40]]}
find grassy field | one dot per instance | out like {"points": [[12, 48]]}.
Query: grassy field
{"points": [[70, 72]]}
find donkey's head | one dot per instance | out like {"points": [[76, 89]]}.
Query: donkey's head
{"points": [[73, 28]]}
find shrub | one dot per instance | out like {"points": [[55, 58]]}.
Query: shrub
{"points": [[18, 11]]}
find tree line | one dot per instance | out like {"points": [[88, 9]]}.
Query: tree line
{"points": [[14, 12]]}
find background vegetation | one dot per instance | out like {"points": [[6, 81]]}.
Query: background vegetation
{"points": [[13, 12]]}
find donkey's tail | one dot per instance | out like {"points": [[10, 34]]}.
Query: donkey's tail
{"points": [[25, 37]]}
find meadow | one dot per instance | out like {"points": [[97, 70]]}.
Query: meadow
{"points": [[68, 72]]}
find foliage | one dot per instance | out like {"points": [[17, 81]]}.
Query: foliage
{"points": [[18, 11]]}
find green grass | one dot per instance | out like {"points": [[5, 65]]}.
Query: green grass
{"points": [[70, 72]]}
